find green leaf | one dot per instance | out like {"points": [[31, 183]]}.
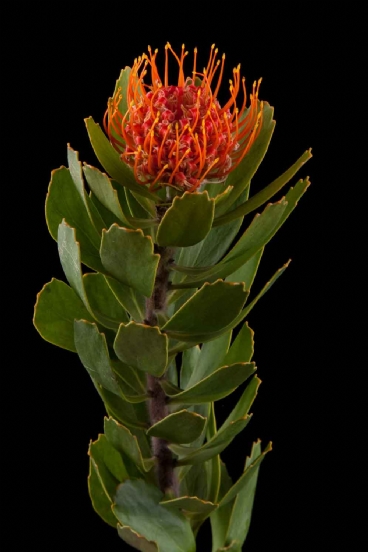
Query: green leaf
{"points": [[75, 169], [218, 241], [69, 254], [134, 379], [128, 256], [245, 477], [264, 195], [56, 309], [105, 307], [193, 481], [191, 504], [107, 217], [220, 518], [93, 352], [207, 312], [242, 509], [101, 502], [136, 540], [140, 208], [214, 387], [242, 348], [292, 198], [126, 443], [122, 84], [63, 201], [187, 221], [188, 365], [241, 176], [180, 427], [247, 272], [243, 405], [137, 505], [129, 299], [260, 231], [101, 186], [106, 471], [213, 447], [142, 347], [244, 313], [123, 411], [214, 464], [210, 358], [111, 162], [109, 463]]}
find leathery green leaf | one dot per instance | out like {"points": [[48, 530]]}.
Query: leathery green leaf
{"points": [[188, 365], [242, 348], [56, 309], [265, 288], [136, 540], [187, 221], [101, 502], [101, 186], [213, 466], [264, 195], [241, 176], [214, 387], [220, 518], [69, 254], [213, 447], [106, 471], [93, 352], [137, 505], [111, 162], [126, 443], [245, 477], [105, 307], [247, 272], [131, 300], [207, 311], [191, 504], [109, 463], [242, 509], [128, 256], [142, 347], [260, 231], [134, 379], [121, 410], [121, 89], [240, 317], [75, 169], [244, 403], [180, 427], [211, 357], [63, 201]]}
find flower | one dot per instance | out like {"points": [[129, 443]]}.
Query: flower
{"points": [[179, 135]]}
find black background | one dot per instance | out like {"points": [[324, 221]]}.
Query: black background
{"points": [[66, 64]]}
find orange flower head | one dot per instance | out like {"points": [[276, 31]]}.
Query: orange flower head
{"points": [[179, 135]]}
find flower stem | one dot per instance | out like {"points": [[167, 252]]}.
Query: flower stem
{"points": [[157, 404]]}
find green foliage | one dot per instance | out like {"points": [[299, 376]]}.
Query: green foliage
{"points": [[132, 239], [187, 221], [137, 505], [127, 255]]}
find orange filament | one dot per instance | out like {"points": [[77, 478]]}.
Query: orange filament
{"points": [[163, 121]]}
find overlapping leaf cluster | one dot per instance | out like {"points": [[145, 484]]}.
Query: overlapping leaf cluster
{"points": [[114, 230]]}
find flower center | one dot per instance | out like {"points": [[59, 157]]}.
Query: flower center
{"points": [[179, 135]]}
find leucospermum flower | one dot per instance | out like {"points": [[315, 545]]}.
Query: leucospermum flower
{"points": [[179, 135]]}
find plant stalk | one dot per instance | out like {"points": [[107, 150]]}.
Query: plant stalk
{"points": [[157, 404]]}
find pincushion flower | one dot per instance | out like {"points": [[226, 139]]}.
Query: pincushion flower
{"points": [[178, 134]]}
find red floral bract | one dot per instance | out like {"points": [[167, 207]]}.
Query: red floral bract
{"points": [[179, 135]]}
